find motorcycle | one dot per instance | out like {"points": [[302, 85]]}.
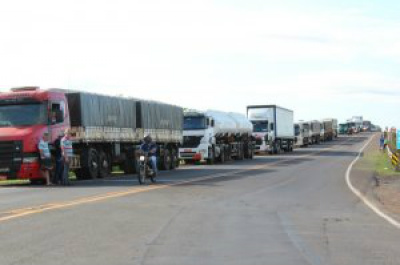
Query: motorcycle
{"points": [[145, 169]]}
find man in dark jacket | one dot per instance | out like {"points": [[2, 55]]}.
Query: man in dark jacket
{"points": [[59, 160], [151, 148]]}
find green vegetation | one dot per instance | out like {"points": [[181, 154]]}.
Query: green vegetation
{"points": [[380, 163], [13, 182]]}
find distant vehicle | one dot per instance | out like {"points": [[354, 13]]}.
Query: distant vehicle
{"points": [[357, 122], [328, 129], [216, 135], [315, 132], [106, 131], [375, 128], [273, 128], [367, 126], [302, 132], [353, 127], [343, 128]]}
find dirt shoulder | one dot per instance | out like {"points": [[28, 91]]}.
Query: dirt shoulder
{"points": [[374, 176]]}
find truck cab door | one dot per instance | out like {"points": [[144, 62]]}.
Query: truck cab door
{"points": [[56, 118]]}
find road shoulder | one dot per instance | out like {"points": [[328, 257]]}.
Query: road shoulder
{"points": [[373, 176]]}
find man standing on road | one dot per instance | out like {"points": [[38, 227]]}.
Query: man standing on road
{"points": [[67, 153], [45, 157], [151, 148], [59, 160], [382, 142]]}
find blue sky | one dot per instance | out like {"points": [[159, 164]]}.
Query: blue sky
{"points": [[319, 58]]}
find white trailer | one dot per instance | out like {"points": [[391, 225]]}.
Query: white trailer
{"points": [[273, 128], [215, 135]]}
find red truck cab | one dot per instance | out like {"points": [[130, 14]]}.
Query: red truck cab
{"points": [[26, 113]]}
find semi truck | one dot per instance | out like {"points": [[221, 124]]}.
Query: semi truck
{"points": [[328, 132], [273, 128], [302, 132], [366, 126], [344, 128], [216, 136], [315, 132], [105, 130]]}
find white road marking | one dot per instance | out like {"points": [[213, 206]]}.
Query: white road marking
{"points": [[363, 198]]}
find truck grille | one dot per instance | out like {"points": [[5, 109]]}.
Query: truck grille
{"points": [[259, 141], [191, 141], [10, 157]]}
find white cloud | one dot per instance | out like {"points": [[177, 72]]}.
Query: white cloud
{"points": [[198, 54]]}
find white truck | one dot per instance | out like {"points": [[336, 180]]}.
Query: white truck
{"points": [[358, 123], [302, 133], [273, 128], [315, 132], [215, 135]]}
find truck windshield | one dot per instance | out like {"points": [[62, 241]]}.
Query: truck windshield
{"points": [[297, 130], [194, 123], [260, 126], [22, 115]]}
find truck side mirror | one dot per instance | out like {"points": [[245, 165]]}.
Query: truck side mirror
{"points": [[212, 123]]}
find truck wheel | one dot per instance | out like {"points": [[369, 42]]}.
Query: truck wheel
{"points": [[174, 159], [166, 160], [211, 156], [104, 165], [90, 165]]}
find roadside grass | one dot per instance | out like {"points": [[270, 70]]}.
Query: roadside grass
{"points": [[13, 182], [380, 163]]}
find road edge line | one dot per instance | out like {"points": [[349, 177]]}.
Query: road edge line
{"points": [[363, 198]]}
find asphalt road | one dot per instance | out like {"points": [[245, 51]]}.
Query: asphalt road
{"points": [[286, 209]]}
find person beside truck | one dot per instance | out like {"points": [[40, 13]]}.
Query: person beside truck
{"points": [[67, 154], [45, 158], [58, 174]]}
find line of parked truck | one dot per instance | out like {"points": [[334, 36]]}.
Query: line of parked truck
{"points": [[315, 131], [107, 131], [357, 124]]}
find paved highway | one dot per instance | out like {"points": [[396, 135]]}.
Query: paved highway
{"points": [[287, 209]]}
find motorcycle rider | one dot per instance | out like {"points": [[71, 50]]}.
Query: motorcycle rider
{"points": [[150, 147]]}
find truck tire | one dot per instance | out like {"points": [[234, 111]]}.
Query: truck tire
{"points": [[90, 163], [104, 164], [174, 159], [166, 160], [211, 156]]}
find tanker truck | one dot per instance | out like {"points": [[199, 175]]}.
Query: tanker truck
{"points": [[273, 128], [216, 136], [106, 131]]}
